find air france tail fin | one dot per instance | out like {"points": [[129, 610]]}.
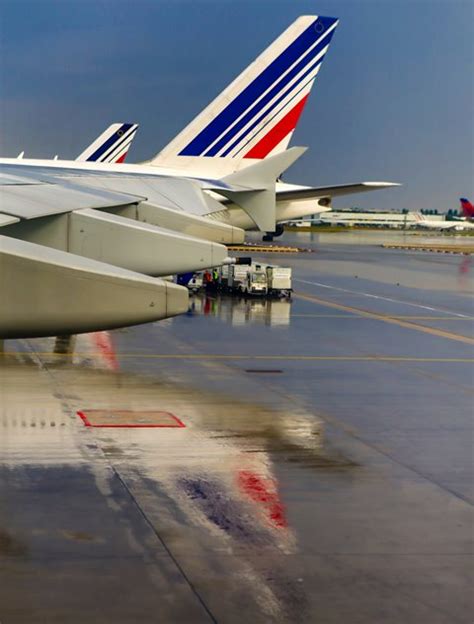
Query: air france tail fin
{"points": [[112, 145], [467, 208], [255, 116]]}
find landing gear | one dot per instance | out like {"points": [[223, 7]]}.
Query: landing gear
{"points": [[269, 236]]}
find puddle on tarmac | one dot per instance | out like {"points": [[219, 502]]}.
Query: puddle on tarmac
{"points": [[80, 536]]}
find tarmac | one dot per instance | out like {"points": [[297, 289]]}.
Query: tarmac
{"points": [[251, 461]]}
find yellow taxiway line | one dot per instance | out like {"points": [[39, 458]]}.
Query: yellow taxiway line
{"points": [[218, 356], [441, 333], [438, 248], [407, 317]]}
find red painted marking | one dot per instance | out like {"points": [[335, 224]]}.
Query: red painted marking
{"points": [[122, 158], [277, 133], [264, 491], [179, 423], [84, 418]]}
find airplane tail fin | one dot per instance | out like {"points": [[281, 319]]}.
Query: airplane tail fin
{"points": [[112, 145], [255, 116], [467, 208]]}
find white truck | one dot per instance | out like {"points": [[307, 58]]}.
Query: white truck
{"points": [[279, 280], [236, 276], [256, 281]]}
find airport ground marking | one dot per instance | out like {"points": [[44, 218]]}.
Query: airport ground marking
{"points": [[441, 333], [407, 317], [283, 356], [86, 414], [372, 296], [453, 249]]}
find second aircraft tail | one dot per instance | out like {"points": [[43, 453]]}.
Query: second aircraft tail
{"points": [[112, 145]]}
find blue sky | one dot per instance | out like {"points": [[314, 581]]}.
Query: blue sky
{"points": [[394, 99]]}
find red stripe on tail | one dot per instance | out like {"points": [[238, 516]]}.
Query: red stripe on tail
{"points": [[277, 133]]}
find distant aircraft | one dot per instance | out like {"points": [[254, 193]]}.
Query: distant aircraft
{"points": [[467, 208], [442, 224], [100, 228], [112, 145]]}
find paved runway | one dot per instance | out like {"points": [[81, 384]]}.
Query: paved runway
{"points": [[324, 472]]}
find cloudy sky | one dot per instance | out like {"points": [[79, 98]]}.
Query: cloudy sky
{"points": [[394, 99]]}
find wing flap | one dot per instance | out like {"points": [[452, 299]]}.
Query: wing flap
{"points": [[7, 220], [31, 201]]}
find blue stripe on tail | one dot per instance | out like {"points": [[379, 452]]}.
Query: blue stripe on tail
{"points": [[257, 87], [105, 146]]}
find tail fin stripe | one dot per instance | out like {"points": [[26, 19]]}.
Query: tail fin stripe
{"points": [[313, 67], [277, 133], [117, 153], [111, 141], [110, 157], [318, 51], [121, 158], [120, 155], [304, 90], [257, 87], [126, 137]]}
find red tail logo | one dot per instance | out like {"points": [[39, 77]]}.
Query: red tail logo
{"points": [[467, 208]]}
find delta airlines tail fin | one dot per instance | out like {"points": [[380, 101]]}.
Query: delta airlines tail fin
{"points": [[467, 208], [255, 116], [112, 145]]}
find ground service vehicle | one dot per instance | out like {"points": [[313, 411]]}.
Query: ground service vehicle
{"points": [[237, 276], [279, 280], [256, 281]]}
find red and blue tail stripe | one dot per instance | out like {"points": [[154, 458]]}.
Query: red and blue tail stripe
{"points": [[112, 145], [280, 79]]}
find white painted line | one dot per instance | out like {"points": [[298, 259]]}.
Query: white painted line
{"points": [[364, 294]]}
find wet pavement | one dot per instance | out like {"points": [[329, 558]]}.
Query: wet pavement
{"points": [[324, 472]]}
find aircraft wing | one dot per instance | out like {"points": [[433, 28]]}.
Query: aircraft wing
{"points": [[77, 258], [30, 198], [288, 192]]}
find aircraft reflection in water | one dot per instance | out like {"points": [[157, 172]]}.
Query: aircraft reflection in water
{"points": [[464, 270], [211, 486], [240, 311], [82, 348]]}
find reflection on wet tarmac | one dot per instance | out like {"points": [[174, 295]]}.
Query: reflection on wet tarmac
{"points": [[11, 546], [237, 310], [216, 476]]}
